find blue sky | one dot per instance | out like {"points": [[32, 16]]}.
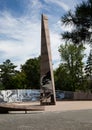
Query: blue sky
{"points": [[20, 28]]}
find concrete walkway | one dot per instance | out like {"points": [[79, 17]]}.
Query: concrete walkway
{"points": [[70, 105], [65, 115], [63, 105]]}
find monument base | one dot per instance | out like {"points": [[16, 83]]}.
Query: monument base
{"points": [[47, 101]]}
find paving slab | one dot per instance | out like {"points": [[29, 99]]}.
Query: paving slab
{"points": [[69, 106], [61, 105], [63, 116]]}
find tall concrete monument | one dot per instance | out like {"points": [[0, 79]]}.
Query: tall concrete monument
{"points": [[47, 79]]}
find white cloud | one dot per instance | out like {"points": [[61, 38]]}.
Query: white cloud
{"points": [[59, 3], [33, 9], [36, 3], [23, 39], [55, 43], [63, 27], [86, 52], [68, 28]]}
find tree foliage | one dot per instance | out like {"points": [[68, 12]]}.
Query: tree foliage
{"points": [[62, 78], [81, 20], [88, 70], [19, 80], [70, 73], [7, 71], [27, 77], [32, 71]]}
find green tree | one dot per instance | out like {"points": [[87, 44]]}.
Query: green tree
{"points": [[32, 71], [88, 70], [7, 71], [81, 20], [62, 78], [1, 86], [72, 56], [19, 80]]}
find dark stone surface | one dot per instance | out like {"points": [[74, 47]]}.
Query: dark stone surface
{"points": [[5, 108], [70, 120]]}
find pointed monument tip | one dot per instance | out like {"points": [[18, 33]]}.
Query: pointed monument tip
{"points": [[44, 17]]}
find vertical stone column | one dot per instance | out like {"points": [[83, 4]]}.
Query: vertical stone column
{"points": [[46, 71]]}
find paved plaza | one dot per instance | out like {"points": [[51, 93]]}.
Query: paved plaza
{"points": [[76, 115]]}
